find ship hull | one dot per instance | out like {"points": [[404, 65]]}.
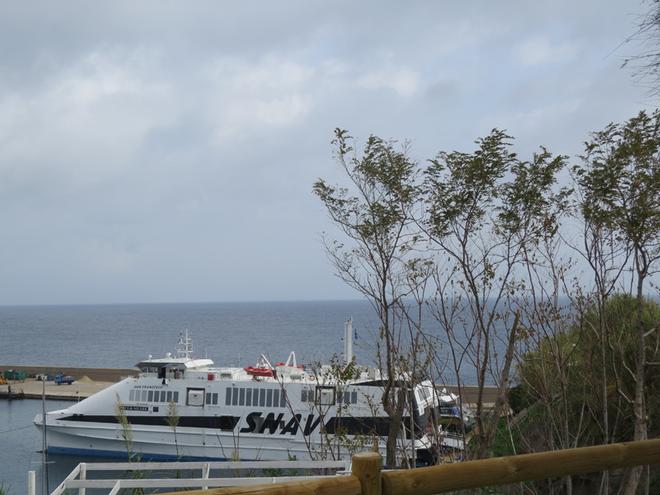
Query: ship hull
{"points": [[158, 443]]}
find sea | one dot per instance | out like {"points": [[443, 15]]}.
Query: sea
{"points": [[118, 336]]}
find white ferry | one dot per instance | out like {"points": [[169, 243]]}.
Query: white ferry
{"points": [[182, 408]]}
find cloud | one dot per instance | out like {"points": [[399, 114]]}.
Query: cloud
{"points": [[402, 81], [247, 95], [142, 143], [541, 51]]}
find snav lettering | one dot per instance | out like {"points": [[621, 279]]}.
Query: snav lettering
{"points": [[271, 423]]}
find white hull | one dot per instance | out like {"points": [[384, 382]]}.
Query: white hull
{"points": [[153, 443]]}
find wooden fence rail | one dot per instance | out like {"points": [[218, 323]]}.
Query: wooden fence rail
{"points": [[367, 478]]}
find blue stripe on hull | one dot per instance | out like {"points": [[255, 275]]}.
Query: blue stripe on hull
{"points": [[112, 454]]}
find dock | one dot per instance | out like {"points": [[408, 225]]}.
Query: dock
{"points": [[32, 389], [88, 382]]}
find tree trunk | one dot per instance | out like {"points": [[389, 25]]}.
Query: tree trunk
{"points": [[489, 427], [639, 406]]}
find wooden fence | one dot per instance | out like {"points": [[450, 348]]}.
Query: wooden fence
{"points": [[368, 479]]}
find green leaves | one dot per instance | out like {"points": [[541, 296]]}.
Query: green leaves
{"points": [[382, 190], [619, 179], [529, 204], [461, 186], [492, 189]]}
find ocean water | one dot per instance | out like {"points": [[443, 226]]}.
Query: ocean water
{"points": [[20, 448], [118, 336]]}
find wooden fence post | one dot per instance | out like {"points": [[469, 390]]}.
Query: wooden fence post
{"points": [[366, 468]]}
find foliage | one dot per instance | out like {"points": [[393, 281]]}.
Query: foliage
{"points": [[172, 420], [620, 179], [583, 346], [126, 433]]}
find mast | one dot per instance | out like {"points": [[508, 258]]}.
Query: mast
{"points": [[348, 340], [184, 347], [44, 447]]}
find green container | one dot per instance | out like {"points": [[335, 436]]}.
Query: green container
{"points": [[14, 375]]}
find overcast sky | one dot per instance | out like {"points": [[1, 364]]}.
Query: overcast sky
{"points": [[165, 151]]}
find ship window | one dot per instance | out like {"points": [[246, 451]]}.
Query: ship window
{"points": [[269, 398], [208, 397], [262, 397], [354, 397], [195, 397], [131, 395], [241, 400], [163, 395], [228, 396], [276, 397], [248, 397], [215, 399], [176, 397], [234, 396], [303, 395], [169, 396], [150, 396], [283, 398], [144, 396], [325, 396]]}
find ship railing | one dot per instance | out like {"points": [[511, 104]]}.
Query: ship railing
{"points": [[78, 480]]}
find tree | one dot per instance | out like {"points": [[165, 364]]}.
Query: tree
{"points": [[486, 212], [619, 181], [375, 213]]}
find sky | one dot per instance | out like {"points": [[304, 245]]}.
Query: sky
{"points": [[162, 151]]}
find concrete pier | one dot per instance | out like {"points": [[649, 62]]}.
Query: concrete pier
{"points": [[31, 389], [96, 374], [88, 382]]}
